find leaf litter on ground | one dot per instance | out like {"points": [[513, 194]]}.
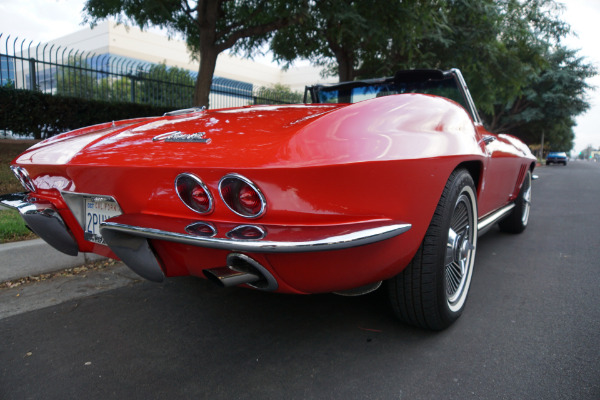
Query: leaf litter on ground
{"points": [[75, 271]]}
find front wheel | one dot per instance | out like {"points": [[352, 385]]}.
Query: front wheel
{"points": [[432, 290]]}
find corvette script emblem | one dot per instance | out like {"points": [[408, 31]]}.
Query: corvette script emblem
{"points": [[180, 137]]}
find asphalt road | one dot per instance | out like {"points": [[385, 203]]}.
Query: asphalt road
{"points": [[531, 329]]}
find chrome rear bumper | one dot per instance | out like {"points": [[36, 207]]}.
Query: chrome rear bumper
{"points": [[127, 236], [43, 219], [273, 239]]}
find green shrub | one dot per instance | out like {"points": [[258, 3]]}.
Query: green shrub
{"points": [[26, 112]]}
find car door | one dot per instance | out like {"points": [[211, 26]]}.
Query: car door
{"points": [[501, 170]]}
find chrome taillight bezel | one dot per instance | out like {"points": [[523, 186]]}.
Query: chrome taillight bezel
{"points": [[237, 177], [23, 177], [198, 181], [192, 229], [237, 233]]}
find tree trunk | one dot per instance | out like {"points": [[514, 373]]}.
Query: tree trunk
{"points": [[345, 66], [208, 61], [346, 73], [215, 39]]}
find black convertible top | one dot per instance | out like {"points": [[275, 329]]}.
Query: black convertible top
{"points": [[449, 84]]}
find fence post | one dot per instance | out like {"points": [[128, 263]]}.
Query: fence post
{"points": [[32, 74], [132, 88]]}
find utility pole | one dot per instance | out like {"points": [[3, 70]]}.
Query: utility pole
{"points": [[542, 147]]}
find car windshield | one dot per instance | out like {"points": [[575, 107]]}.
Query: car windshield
{"points": [[436, 83]]}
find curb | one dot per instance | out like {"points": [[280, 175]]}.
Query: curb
{"points": [[34, 257]]}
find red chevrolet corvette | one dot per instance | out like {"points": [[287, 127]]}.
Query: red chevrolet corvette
{"points": [[387, 180]]}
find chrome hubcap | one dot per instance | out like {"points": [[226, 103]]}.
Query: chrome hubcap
{"points": [[460, 252]]}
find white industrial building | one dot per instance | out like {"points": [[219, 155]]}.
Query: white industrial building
{"points": [[118, 40]]}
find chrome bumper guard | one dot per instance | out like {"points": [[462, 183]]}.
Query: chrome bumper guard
{"points": [[127, 236], [43, 219]]}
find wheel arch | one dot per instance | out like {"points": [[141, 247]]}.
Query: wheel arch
{"points": [[474, 168], [532, 166]]}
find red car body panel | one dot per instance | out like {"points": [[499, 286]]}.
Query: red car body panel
{"points": [[319, 167]]}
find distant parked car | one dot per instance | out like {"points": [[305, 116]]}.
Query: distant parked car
{"points": [[555, 157]]}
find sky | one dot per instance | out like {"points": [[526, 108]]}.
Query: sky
{"points": [[44, 20]]}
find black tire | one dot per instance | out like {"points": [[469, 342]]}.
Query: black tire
{"points": [[517, 220], [431, 291]]}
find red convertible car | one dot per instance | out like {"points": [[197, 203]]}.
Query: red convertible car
{"points": [[386, 180]]}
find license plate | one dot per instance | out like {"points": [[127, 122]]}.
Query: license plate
{"points": [[97, 210]]}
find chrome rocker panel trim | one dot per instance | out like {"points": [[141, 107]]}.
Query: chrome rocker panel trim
{"points": [[486, 223], [44, 220]]}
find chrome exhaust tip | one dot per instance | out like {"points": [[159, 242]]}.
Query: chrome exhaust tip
{"points": [[240, 270], [227, 277]]}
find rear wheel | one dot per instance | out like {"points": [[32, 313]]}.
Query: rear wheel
{"points": [[431, 291], [517, 220]]}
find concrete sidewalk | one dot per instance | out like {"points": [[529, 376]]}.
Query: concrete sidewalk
{"points": [[34, 257]]}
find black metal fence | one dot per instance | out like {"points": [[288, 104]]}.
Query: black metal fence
{"points": [[60, 70]]}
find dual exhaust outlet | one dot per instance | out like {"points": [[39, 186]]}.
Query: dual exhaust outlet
{"points": [[240, 270]]}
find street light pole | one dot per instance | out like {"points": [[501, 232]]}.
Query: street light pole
{"points": [[542, 147]]}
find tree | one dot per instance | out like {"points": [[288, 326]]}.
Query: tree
{"points": [[549, 101], [77, 80], [524, 81], [341, 35], [165, 86], [154, 84], [209, 26], [82, 77], [521, 78], [497, 44], [278, 94]]}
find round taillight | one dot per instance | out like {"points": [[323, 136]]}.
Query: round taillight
{"points": [[242, 196], [194, 193], [249, 199], [200, 196]]}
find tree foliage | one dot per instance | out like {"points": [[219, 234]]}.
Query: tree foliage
{"points": [[549, 101], [159, 85], [342, 35], [165, 86], [209, 26], [278, 93], [522, 79]]}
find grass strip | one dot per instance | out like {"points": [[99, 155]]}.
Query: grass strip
{"points": [[12, 227]]}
